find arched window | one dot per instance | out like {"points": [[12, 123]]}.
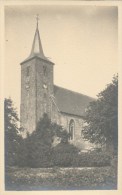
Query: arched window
{"points": [[71, 129]]}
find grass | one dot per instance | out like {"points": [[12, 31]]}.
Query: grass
{"points": [[61, 178]]}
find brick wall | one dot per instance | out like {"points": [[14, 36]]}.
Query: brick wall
{"points": [[35, 99], [64, 120], [28, 98]]}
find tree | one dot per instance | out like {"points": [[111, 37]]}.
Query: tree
{"points": [[36, 150], [12, 138], [102, 117]]}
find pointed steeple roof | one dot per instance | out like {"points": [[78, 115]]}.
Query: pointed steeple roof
{"points": [[37, 47], [37, 50]]}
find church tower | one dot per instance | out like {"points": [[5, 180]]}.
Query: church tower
{"points": [[36, 86]]}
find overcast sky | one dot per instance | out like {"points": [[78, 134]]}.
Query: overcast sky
{"points": [[80, 40]]}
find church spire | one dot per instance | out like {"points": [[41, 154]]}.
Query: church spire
{"points": [[37, 50], [37, 46], [37, 19]]}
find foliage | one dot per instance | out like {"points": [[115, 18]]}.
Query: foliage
{"points": [[23, 153], [92, 159], [36, 150], [63, 135], [67, 155], [48, 130], [63, 154], [61, 178], [12, 138], [10, 116], [102, 117]]}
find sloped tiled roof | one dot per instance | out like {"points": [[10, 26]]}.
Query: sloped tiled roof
{"points": [[71, 102]]}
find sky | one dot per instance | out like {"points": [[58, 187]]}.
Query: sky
{"points": [[81, 40]]}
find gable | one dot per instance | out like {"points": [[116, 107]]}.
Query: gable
{"points": [[71, 102]]}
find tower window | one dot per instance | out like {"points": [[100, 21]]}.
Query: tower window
{"points": [[71, 129], [28, 71]]}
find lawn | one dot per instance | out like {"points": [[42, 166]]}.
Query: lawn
{"points": [[104, 178]]}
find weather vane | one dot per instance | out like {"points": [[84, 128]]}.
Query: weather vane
{"points": [[37, 19]]}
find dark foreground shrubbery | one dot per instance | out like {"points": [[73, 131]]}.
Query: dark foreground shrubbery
{"points": [[37, 150], [34, 155], [62, 155], [66, 155], [92, 159]]}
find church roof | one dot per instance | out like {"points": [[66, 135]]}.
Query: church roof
{"points": [[37, 50], [71, 102]]}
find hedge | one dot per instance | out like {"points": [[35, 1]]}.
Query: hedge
{"points": [[66, 155]]}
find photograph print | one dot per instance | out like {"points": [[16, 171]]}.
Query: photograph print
{"points": [[61, 97]]}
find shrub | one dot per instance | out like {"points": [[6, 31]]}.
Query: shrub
{"points": [[66, 155], [63, 154], [36, 149], [22, 156], [92, 159], [34, 153]]}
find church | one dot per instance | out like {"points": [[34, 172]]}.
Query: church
{"points": [[39, 95]]}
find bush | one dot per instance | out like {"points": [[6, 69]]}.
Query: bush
{"points": [[40, 156], [63, 154], [34, 153], [92, 159], [66, 155], [36, 149], [22, 156]]}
